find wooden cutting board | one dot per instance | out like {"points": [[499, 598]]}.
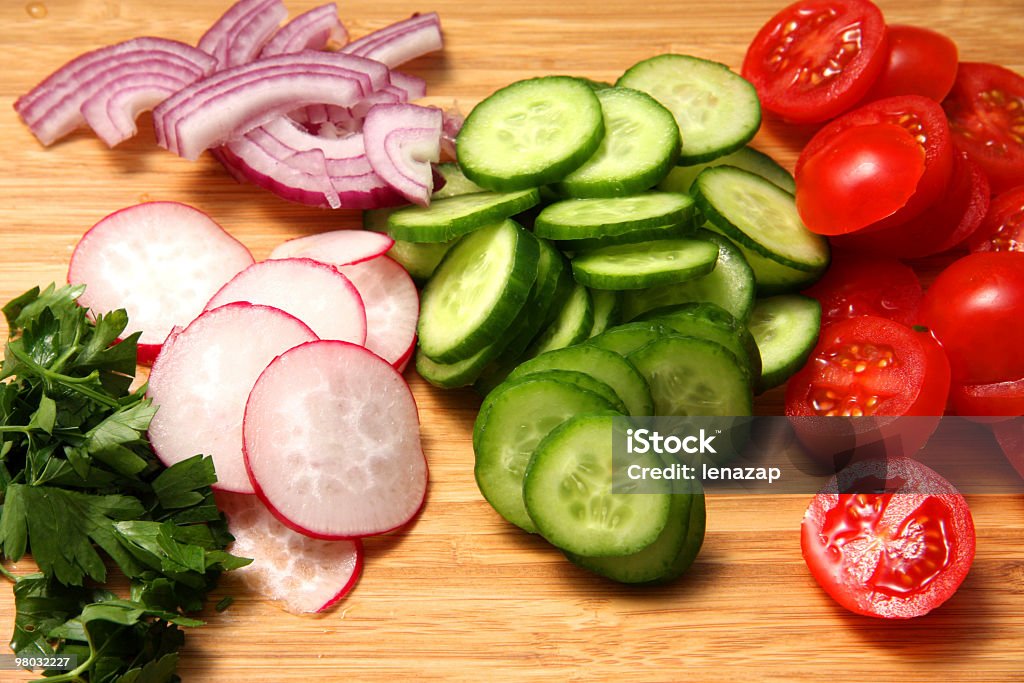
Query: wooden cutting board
{"points": [[460, 594]]}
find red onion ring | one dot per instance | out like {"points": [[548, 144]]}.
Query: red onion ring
{"points": [[312, 30]]}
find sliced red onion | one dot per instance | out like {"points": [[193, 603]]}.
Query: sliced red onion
{"points": [[400, 42], [111, 112], [52, 109], [413, 86], [312, 30], [401, 142], [218, 38], [344, 156], [453, 120], [246, 45], [236, 100]]}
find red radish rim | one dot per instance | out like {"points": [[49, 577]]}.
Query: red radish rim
{"points": [[308, 532], [407, 354], [357, 573]]}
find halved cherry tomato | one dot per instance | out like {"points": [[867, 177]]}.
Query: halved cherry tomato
{"points": [[986, 116], [859, 176], [925, 120], [817, 58], [920, 62], [1003, 228], [871, 366], [896, 543], [956, 216], [996, 399], [863, 285], [974, 309]]}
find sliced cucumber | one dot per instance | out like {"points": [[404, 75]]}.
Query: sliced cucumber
{"points": [[574, 219], [511, 422], [680, 178], [455, 182], [640, 146], [477, 291], [568, 493], [730, 285], [530, 133], [421, 259], [571, 326], [645, 264], [717, 110], [760, 216], [668, 231], [607, 310], [451, 217], [458, 374], [775, 278], [606, 366], [625, 339], [694, 377], [786, 329]]}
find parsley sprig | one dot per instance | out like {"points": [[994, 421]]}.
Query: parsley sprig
{"points": [[80, 488]]}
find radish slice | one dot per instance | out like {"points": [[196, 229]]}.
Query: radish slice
{"points": [[312, 30], [337, 247], [305, 574], [401, 142], [202, 378], [313, 292], [400, 42], [332, 442], [160, 261]]}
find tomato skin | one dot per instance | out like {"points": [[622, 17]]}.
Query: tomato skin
{"points": [[986, 113], [894, 555], [925, 120], [882, 161], [998, 399], [856, 284], [974, 309], [791, 61], [1010, 435], [1003, 228], [919, 62], [943, 226]]}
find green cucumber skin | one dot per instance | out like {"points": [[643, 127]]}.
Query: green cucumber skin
{"points": [[628, 337], [607, 310], [571, 326], [456, 182], [592, 268], [556, 221], [780, 367], [438, 223], [680, 178]]}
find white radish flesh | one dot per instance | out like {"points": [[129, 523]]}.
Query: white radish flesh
{"points": [[313, 292], [160, 261], [202, 378], [332, 442], [305, 574], [337, 247], [392, 307]]}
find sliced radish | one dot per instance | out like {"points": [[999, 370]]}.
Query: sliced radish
{"points": [[332, 442], [313, 292], [337, 247], [392, 307], [160, 261], [401, 142], [202, 378], [305, 574]]}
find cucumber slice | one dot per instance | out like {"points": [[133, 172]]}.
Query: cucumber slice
{"points": [[530, 133], [717, 110], [512, 421], [568, 493], [760, 216], [421, 259], [571, 326], [606, 366], [574, 219], [451, 217], [774, 278], [625, 339], [786, 329], [730, 285], [672, 552], [640, 146], [460, 373], [680, 178], [607, 310], [708, 321], [455, 182], [658, 232], [477, 291], [645, 264], [694, 377]]}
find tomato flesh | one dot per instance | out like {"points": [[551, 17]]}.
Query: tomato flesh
{"points": [[986, 116], [882, 161], [974, 309], [817, 58], [897, 554], [997, 399], [919, 62], [857, 285], [1003, 228]]}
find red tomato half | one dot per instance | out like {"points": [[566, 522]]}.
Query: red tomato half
{"points": [[974, 309], [997, 399], [817, 58], [920, 62], [896, 554], [862, 285], [1003, 229], [986, 116], [925, 121], [943, 226], [870, 366]]}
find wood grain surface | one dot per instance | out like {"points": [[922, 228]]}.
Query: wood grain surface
{"points": [[459, 594]]}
